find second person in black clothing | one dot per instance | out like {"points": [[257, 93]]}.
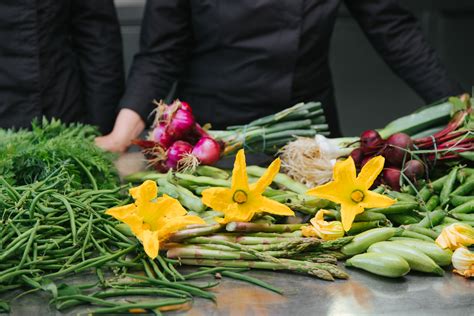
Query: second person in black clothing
{"points": [[238, 60]]}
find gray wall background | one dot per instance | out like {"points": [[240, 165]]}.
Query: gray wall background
{"points": [[368, 94]]}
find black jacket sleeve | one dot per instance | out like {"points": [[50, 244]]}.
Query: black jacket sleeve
{"points": [[165, 44], [97, 42], [396, 34]]}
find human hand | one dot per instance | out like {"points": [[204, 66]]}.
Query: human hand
{"points": [[128, 126]]}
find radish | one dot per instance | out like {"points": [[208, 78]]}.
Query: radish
{"points": [[370, 141], [396, 148], [391, 177], [357, 155], [414, 169]]}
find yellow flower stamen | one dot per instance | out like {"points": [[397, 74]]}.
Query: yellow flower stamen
{"points": [[357, 196], [352, 191], [242, 200], [239, 197]]}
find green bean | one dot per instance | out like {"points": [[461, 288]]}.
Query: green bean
{"points": [[70, 300], [403, 219], [7, 276], [36, 199], [448, 187], [17, 243], [210, 271], [93, 262], [358, 227], [438, 184], [87, 172], [138, 291], [157, 270], [86, 239], [147, 269], [188, 288], [165, 267], [148, 305], [28, 245], [249, 279], [464, 217], [71, 216], [10, 190]]}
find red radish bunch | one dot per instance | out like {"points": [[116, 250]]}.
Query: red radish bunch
{"points": [[177, 140], [396, 150]]}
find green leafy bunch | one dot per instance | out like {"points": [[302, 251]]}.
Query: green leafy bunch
{"points": [[27, 156]]}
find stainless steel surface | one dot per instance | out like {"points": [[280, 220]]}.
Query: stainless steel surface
{"points": [[363, 294]]}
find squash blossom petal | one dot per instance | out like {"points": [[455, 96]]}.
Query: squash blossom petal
{"points": [[463, 262], [322, 229], [351, 191], [153, 219], [242, 200], [456, 235]]}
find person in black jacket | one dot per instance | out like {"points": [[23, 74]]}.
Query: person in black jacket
{"points": [[60, 59], [238, 60]]}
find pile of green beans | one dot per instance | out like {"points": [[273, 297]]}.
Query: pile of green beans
{"points": [[49, 231]]}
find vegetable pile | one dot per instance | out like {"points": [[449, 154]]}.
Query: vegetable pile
{"points": [[178, 142]]}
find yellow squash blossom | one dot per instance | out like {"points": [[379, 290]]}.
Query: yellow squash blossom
{"points": [[463, 262], [352, 191], [456, 235], [322, 229], [242, 201], [153, 219]]}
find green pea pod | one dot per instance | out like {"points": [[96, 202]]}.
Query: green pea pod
{"points": [[417, 260], [464, 217], [448, 187], [457, 200], [366, 216], [422, 230], [465, 189], [438, 184], [213, 172], [449, 220], [396, 208], [359, 227], [432, 219], [362, 241], [464, 174], [441, 256], [402, 197], [467, 207], [414, 235], [403, 219], [424, 194], [387, 265], [432, 203]]}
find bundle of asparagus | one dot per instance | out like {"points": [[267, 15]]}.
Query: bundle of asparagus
{"points": [[258, 246]]}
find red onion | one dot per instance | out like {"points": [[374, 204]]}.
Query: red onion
{"points": [[414, 169], [182, 122], [357, 155], [396, 146], [185, 106], [176, 152], [161, 136], [370, 140], [207, 151], [391, 176]]}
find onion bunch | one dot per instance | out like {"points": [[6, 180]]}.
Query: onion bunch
{"points": [[177, 141]]}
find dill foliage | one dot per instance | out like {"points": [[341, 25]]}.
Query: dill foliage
{"points": [[28, 156]]}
